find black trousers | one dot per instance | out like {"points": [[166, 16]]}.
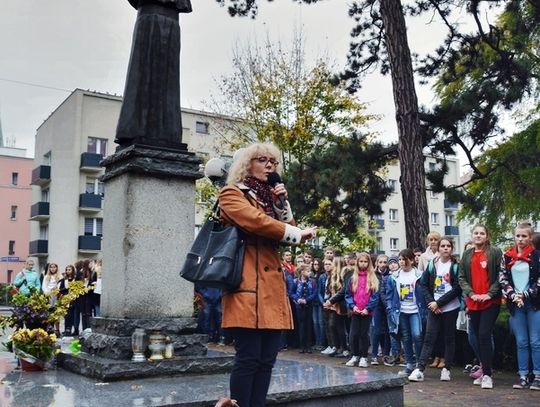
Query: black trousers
{"points": [[482, 323], [305, 325], [256, 352], [359, 335], [440, 326], [337, 328]]}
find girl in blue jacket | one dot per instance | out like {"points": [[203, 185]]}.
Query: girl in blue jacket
{"points": [[405, 305], [303, 298]]}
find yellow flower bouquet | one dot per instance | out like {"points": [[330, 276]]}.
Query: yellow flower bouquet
{"points": [[35, 346]]}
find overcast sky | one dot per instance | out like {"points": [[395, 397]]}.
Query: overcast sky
{"points": [[68, 44]]}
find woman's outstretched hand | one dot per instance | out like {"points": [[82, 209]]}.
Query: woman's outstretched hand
{"points": [[309, 233]]}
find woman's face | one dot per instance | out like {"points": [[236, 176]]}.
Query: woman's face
{"points": [[328, 266], [262, 165], [69, 271], [316, 265], [522, 238], [479, 236], [433, 243], [53, 269], [382, 262]]}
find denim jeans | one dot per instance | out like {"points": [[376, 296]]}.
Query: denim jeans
{"points": [[410, 327], [256, 351], [526, 327], [379, 333], [318, 324], [211, 322]]}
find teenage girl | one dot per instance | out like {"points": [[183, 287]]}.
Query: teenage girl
{"points": [[520, 281], [336, 302], [303, 299], [404, 299], [442, 295], [318, 328], [479, 280], [362, 297], [50, 282], [379, 326], [72, 319]]}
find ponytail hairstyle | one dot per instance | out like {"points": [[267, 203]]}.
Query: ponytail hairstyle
{"points": [[372, 280]]}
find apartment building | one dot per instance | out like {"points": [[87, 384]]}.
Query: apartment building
{"points": [[15, 173], [389, 227], [66, 192]]}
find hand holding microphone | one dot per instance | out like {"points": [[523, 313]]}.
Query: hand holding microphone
{"points": [[274, 180]]}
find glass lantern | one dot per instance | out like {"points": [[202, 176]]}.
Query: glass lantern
{"points": [[137, 345]]}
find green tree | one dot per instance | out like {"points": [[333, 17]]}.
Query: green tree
{"points": [[511, 191], [276, 96]]}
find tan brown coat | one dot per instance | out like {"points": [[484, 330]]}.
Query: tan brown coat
{"points": [[261, 301]]}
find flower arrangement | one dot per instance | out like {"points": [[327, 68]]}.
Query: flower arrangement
{"points": [[35, 310], [34, 342]]}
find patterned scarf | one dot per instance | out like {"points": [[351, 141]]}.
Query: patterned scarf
{"points": [[525, 255], [263, 193]]}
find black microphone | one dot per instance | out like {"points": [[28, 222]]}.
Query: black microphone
{"points": [[273, 180]]}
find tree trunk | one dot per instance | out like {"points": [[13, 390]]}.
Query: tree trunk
{"points": [[411, 159]]}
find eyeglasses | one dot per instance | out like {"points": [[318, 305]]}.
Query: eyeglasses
{"points": [[265, 160]]}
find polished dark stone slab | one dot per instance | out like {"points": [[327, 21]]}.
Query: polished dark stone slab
{"points": [[110, 369], [293, 384]]}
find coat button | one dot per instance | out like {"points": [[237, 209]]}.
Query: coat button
{"points": [[288, 238]]}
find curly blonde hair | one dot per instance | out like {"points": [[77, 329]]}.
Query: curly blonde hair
{"points": [[240, 168]]}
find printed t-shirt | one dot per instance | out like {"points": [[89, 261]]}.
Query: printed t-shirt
{"points": [[406, 282], [443, 285]]}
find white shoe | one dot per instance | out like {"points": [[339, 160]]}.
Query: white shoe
{"points": [[487, 382], [346, 354], [478, 381], [333, 351], [445, 375], [416, 376], [352, 361], [363, 362], [375, 361], [327, 350]]}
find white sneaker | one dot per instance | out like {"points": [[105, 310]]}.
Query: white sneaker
{"points": [[478, 381], [487, 382], [333, 351], [327, 350], [445, 375], [375, 361], [346, 354], [363, 362], [352, 361], [416, 376]]}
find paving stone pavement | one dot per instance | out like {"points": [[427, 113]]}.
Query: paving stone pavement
{"points": [[434, 393]]}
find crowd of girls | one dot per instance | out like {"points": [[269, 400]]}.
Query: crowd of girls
{"points": [[410, 307], [84, 307]]}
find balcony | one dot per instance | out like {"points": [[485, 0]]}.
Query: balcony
{"points": [[89, 244], [90, 202], [449, 205], [41, 175], [39, 248], [90, 162], [39, 211], [451, 231], [376, 224]]}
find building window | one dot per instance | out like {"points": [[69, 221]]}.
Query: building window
{"points": [[97, 146], [13, 212], [392, 184], [94, 186], [47, 158], [393, 215], [44, 232], [432, 194], [93, 226], [434, 218], [11, 248], [379, 243], [432, 166], [202, 127], [44, 195], [450, 220], [394, 243], [14, 178], [9, 276]]}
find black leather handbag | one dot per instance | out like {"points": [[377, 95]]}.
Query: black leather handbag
{"points": [[216, 257]]}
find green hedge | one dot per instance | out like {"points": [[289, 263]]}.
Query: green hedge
{"points": [[5, 294]]}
